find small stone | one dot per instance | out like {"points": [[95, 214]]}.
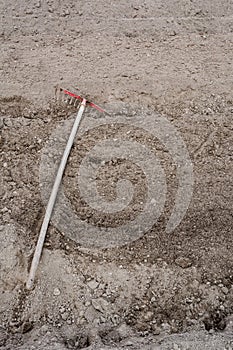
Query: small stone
{"points": [[90, 314], [148, 316], [176, 347], [4, 210], [81, 313], [102, 319], [100, 304], [124, 331], [67, 12], [156, 330], [7, 121], [225, 290], [183, 262], [93, 284], [56, 292], [65, 316], [115, 319], [166, 327], [129, 343], [27, 327], [173, 33], [222, 325], [1, 122]]}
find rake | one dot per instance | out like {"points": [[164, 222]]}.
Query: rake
{"points": [[71, 99]]}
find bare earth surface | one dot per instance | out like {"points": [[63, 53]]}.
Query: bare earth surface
{"points": [[161, 290]]}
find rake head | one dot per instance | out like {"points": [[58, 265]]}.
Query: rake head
{"points": [[73, 99]]}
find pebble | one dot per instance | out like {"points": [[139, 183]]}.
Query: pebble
{"points": [[176, 347], [56, 292], [4, 210], [225, 290], [156, 330], [65, 316], [100, 304], [1, 122], [183, 262], [102, 319], [8, 121], [148, 316], [93, 284], [166, 327], [129, 343]]}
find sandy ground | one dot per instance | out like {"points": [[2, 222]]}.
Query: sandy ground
{"points": [[157, 291]]}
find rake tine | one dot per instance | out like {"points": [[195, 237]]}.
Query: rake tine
{"points": [[58, 94], [61, 96], [72, 100], [67, 100], [75, 102]]}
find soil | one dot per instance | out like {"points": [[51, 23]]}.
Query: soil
{"points": [[158, 290]]}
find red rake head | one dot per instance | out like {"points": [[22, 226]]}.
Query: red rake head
{"points": [[73, 99]]}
